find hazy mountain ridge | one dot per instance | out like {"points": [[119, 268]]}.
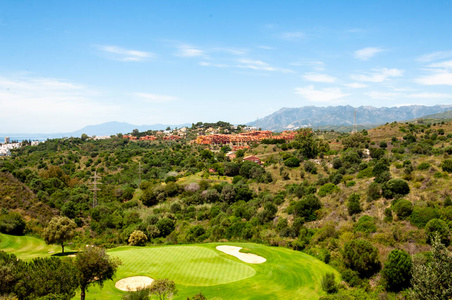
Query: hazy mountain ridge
{"points": [[292, 118]]}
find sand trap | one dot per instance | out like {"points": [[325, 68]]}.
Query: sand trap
{"points": [[133, 283], [246, 257]]}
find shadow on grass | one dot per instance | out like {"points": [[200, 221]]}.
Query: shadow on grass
{"points": [[65, 254]]}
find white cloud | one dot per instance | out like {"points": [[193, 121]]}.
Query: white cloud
{"points": [[50, 105], [155, 98], [356, 85], [437, 78], [189, 51], [292, 36], [118, 53], [316, 77], [378, 75], [209, 64], [318, 66], [435, 56], [367, 53], [324, 95], [260, 66], [444, 64], [430, 96]]}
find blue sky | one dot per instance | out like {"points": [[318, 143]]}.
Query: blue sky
{"points": [[68, 64]]}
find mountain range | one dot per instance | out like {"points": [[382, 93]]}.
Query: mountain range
{"points": [[312, 116]]}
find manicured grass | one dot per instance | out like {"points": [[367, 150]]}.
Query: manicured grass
{"points": [[286, 274], [27, 247]]}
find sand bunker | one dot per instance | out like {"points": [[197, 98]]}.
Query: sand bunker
{"points": [[133, 283], [246, 257]]}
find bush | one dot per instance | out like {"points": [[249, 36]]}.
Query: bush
{"points": [[292, 162], [440, 228], [327, 188], [366, 224], [138, 238], [329, 283], [337, 163], [420, 216], [403, 208], [360, 256], [423, 166], [354, 206], [395, 187], [373, 191], [310, 167], [306, 207], [397, 270], [165, 226], [447, 165], [12, 223]]}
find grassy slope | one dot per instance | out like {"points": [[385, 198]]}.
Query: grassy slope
{"points": [[27, 247], [287, 274]]}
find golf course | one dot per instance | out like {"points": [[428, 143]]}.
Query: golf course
{"points": [[286, 274]]}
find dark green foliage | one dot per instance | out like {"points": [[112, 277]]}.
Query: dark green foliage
{"points": [[432, 275], [329, 283], [165, 226], [380, 167], [306, 207], [423, 166], [420, 216], [337, 163], [94, 267], [402, 208], [292, 162], [446, 165], [395, 188], [12, 223], [437, 227], [397, 270], [366, 224], [354, 206], [139, 294], [376, 153], [306, 144], [360, 256]]}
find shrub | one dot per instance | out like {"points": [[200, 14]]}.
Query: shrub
{"points": [[310, 167], [306, 207], [359, 255], [292, 162], [423, 166], [165, 226], [327, 188], [447, 165], [12, 223], [366, 224], [403, 208], [373, 191], [354, 206], [420, 216], [138, 238], [329, 283], [397, 270], [365, 173], [440, 228], [337, 163], [395, 187]]}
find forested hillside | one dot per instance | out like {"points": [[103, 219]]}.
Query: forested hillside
{"points": [[360, 202]]}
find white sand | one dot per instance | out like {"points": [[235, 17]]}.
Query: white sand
{"points": [[133, 283], [246, 257]]}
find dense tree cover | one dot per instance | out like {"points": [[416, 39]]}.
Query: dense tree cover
{"points": [[397, 270], [312, 194], [362, 257]]}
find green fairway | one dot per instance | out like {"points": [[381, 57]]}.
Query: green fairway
{"points": [[27, 247], [286, 274]]}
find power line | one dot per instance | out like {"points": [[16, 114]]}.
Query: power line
{"points": [[95, 188]]}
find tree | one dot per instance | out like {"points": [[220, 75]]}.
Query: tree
{"points": [[432, 275], [94, 267], [359, 255], [308, 147], [397, 270], [447, 165], [164, 289], [59, 231], [307, 206], [395, 187], [12, 223]]}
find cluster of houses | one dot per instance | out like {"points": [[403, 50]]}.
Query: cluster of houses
{"points": [[5, 149], [165, 135]]}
